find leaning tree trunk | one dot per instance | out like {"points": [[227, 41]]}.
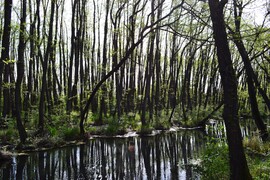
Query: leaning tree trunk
{"points": [[251, 90], [238, 40], [238, 163]]}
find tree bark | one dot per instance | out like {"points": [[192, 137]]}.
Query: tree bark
{"points": [[20, 74], [251, 90], [238, 163], [103, 106], [70, 72], [5, 52], [45, 70], [238, 40]]}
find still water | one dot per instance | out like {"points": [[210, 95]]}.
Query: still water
{"points": [[170, 155]]}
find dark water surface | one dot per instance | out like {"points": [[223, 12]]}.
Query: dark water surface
{"points": [[170, 155], [164, 156]]}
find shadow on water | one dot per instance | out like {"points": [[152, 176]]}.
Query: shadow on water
{"points": [[171, 155]]}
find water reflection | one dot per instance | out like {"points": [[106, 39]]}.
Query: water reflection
{"points": [[217, 128], [164, 156]]}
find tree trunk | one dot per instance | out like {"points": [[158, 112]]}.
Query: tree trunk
{"points": [[45, 69], [238, 163], [70, 73], [148, 71], [238, 40], [251, 90], [20, 74], [94, 77], [5, 52], [103, 106]]}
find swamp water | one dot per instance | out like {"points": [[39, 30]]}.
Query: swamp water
{"points": [[167, 155]]}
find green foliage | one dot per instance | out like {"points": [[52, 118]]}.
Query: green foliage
{"points": [[196, 115], [8, 135], [215, 161], [259, 167], [256, 145], [258, 157], [72, 133], [92, 118], [262, 106], [52, 131], [9, 61], [112, 129], [116, 127], [137, 117], [8, 85], [132, 120], [96, 130], [146, 129], [161, 122]]}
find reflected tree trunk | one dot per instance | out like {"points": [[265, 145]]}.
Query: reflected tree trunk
{"points": [[20, 167], [146, 149], [158, 141], [184, 146], [83, 171], [41, 168], [7, 171]]}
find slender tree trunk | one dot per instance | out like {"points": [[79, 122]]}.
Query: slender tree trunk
{"points": [[83, 68], [103, 106], [33, 56], [45, 70], [39, 57], [20, 74], [238, 164], [116, 26], [70, 72], [131, 38], [148, 72], [5, 56], [55, 81], [158, 67], [94, 77]]}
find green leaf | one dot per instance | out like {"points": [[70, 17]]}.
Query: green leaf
{"points": [[9, 61]]}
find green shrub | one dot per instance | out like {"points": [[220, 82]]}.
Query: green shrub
{"points": [[71, 133], [259, 167], [8, 135], [215, 161], [111, 130], [95, 130], [52, 131], [256, 145], [147, 129], [161, 124], [115, 127]]}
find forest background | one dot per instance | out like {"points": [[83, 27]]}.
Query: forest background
{"points": [[68, 66]]}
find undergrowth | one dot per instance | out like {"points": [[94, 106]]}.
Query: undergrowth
{"points": [[215, 159]]}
